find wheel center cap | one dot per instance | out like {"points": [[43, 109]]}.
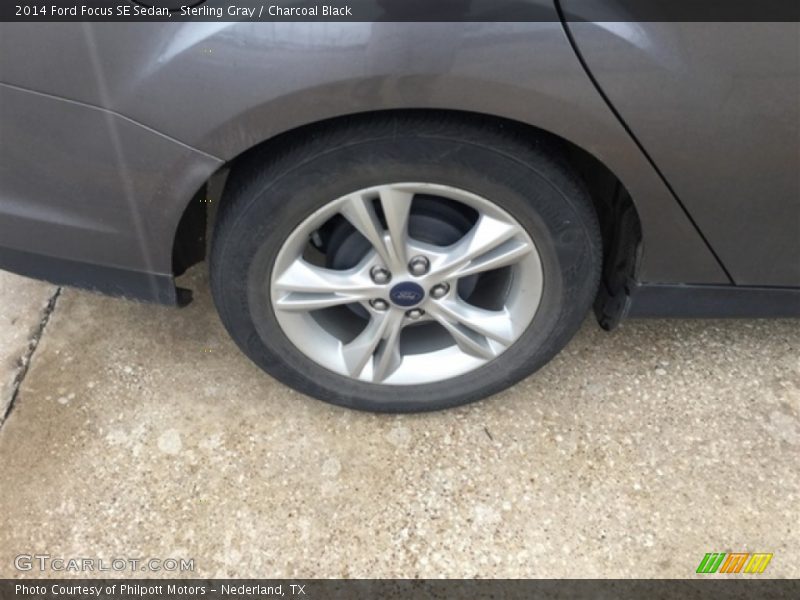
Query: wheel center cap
{"points": [[406, 294]]}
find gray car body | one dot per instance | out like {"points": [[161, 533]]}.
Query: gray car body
{"points": [[108, 131]]}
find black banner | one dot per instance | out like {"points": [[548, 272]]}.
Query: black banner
{"points": [[399, 10], [745, 586]]}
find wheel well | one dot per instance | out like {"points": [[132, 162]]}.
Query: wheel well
{"points": [[619, 220]]}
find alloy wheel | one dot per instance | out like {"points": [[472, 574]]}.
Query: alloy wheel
{"points": [[411, 305]]}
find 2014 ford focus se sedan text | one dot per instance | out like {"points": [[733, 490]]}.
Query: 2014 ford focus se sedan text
{"points": [[408, 216]]}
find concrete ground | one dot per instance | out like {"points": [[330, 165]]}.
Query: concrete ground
{"points": [[141, 431]]}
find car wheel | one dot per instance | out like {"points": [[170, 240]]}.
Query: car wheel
{"points": [[404, 264]]}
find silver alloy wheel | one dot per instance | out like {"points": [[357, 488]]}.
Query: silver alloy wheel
{"points": [[411, 337]]}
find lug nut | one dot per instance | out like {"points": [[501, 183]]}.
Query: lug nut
{"points": [[380, 275], [419, 265], [415, 313], [379, 304], [439, 290]]}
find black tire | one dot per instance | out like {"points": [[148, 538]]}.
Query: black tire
{"points": [[268, 194]]}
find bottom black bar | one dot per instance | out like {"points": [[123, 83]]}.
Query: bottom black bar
{"points": [[135, 285], [712, 301], [714, 586]]}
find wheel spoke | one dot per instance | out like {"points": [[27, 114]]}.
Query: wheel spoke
{"points": [[495, 325], [379, 342], [359, 210], [358, 352], [388, 357], [396, 206], [507, 253], [308, 287], [490, 244], [469, 341]]}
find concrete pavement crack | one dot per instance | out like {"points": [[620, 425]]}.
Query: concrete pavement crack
{"points": [[25, 361]]}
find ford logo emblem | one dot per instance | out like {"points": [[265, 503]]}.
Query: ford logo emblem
{"points": [[407, 293]]}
